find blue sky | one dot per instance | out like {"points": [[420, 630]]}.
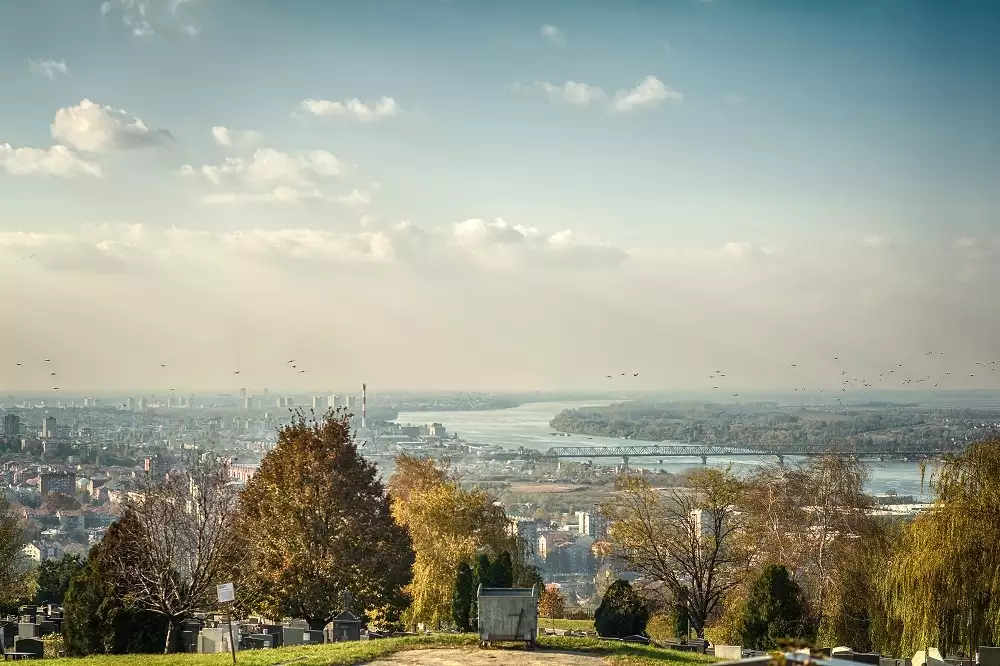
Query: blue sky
{"points": [[777, 125]]}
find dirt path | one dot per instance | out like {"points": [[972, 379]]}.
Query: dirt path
{"points": [[477, 657]]}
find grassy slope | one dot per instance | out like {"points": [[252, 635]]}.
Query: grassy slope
{"points": [[575, 625], [347, 654]]}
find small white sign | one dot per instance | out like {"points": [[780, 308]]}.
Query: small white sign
{"points": [[226, 593]]}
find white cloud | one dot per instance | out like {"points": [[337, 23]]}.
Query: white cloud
{"points": [[140, 16], [355, 198], [271, 166], [282, 194], [384, 107], [571, 92], [54, 161], [553, 35], [225, 136], [95, 128], [650, 92], [48, 68]]}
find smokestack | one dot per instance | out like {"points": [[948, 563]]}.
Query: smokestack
{"points": [[364, 406]]}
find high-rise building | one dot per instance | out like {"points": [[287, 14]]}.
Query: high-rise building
{"points": [[334, 401], [53, 482], [49, 427], [318, 403], [247, 402], [243, 393], [142, 404], [11, 426], [265, 394], [130, 404], [349, 402]]}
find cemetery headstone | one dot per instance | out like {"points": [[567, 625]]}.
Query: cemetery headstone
{"points": [[729, 652], [989, 656], [30, 646]]}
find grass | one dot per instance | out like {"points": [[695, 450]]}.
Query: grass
{"points": [[574, 625], [349, 654]]}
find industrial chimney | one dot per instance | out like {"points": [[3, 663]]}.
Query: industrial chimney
{"points": [[364, 406]]}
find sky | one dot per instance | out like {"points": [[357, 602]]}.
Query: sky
{"points": [[482, 195]]}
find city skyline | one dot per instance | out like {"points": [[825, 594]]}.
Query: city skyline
{"points": [[468, 198]]}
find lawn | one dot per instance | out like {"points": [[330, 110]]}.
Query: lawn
{"points": [[348, 654], [574, 625]]}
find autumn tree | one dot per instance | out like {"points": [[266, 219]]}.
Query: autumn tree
{"points": [[683, 539], [449, 525], [551, 603], [15, 574], [186, 541], [942, 586], [319, 524], [60, 502]]}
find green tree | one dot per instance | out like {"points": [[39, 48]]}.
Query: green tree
{"points": [[15, 574], [502, 571], [53, 578], [98, 615], [942, 583], [773, 609], [461, 604], [622, 612], [319, 524]]}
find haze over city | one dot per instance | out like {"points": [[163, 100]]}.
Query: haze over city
{"points": [[458, 195]]}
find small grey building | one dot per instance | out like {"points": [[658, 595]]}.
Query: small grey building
{"points": [[346, 627], [508, 614]]}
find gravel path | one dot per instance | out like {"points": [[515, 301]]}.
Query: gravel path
{"points": [[479, 657]]}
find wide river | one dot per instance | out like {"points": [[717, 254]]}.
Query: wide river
{"points": [[528, 426]]}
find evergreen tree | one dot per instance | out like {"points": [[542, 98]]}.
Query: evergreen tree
{"points": [[622, 612], [773, 609], [462, 600], [502, 571], [54, 577]]}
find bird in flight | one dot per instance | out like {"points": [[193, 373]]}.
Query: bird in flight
{"points": [[18, 364], [237, 372], [301, 371], [55, 388], [30, 256], [291, 361], [48, 360], [635, 374], [608, 376], [53, 374], [794, 365], [163, 365]]}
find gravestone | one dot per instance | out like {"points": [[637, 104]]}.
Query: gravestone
{"points": [[729, 652], [346, 627], [210, 640], [29, 645], [292, 636], [260, 641], [275, 632], [7, 631], [27, 630], [989, 656], [866, 658]]}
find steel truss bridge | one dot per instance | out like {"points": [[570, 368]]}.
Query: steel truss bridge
{"points": [[703, 451]]}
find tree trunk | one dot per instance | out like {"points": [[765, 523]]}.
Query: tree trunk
{"points": [[170, 646]]}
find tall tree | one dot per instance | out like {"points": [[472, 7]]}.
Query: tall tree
{"points": [[15, 573], [462, 599], [54, 577], [319, 524], [943, 584], [502, 571], [449, 525], [186, 539], [773, 609], [684, 539], [98, 616]]}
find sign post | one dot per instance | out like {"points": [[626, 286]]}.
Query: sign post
{"points": [[227, 594]]}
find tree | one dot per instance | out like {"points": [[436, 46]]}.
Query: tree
{"points": [[773, 609], [60, 502], [461, 604], [98, 618], [15, 574], [186, 539], [551, 603], [54, 577], [319, 524], [622, 612], [502, 571], [685, 540], [941, 587], [448, 525]]}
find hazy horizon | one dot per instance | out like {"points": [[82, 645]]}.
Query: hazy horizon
{"points": [[447, 196]]}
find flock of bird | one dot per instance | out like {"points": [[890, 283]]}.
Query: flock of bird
{"points": [[897, 376]]}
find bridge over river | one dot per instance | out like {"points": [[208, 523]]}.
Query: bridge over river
{"points": [[881, 450]]}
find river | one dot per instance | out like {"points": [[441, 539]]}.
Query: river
{"points": [[528, 426]]}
